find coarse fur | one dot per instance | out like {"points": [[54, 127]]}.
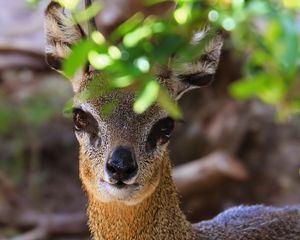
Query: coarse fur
{"points": [[147, 206], [253, 222], [157, 217]]}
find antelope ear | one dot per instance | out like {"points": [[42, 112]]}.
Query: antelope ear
{"points": [[201, 72], [61, 35]]}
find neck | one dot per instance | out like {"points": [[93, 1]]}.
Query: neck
{"points": [[157, 217]]}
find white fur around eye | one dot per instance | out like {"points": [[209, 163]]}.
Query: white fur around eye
{"points": [[103, 129]]}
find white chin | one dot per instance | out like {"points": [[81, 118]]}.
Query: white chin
{"points": [[112, 193]]}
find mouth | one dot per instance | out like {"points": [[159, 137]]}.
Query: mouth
{"points": [[121, 185], [120, 189]]}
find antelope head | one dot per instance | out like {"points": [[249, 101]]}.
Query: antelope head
{"points": [[121, 155]]}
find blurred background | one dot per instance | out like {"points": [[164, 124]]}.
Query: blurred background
{"points": [[243, 129]]}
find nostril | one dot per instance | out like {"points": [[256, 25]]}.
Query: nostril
{"points": [[131, 170], [111, 168], [122, 165]]}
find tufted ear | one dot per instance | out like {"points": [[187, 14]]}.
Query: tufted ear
{"points": [[201, 72], [61, 35]]}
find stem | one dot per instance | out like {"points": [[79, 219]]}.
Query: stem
{"points": [[92, 23]]}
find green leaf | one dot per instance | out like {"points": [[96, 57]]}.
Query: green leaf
{"points": [[142, 63], [98, 60], [182, 14], [168, 104], [69, 4], [68, 108], [88, 13], [121, 82], [293, 4], [291, 42], [147, 96], [257, 8], [268, 88], [127, 26], [133, 38], [77, 58]]}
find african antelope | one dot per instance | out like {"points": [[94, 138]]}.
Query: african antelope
{"points": [[124, 162]]}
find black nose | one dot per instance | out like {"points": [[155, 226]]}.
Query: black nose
{"points": [[122, 165]]}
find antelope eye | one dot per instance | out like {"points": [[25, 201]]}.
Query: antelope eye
{"points": [[85, 122], [80, 119], [160, 133]]}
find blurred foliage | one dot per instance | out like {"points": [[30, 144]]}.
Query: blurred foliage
{"points": [[146, 42], [265, 33], [22, 118]]}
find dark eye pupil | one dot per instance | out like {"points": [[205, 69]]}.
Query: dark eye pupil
{"points": [[160, 133], [80, 119], [85, 123]]}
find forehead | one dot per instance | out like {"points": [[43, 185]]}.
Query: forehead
{"points": [[116, 109]]}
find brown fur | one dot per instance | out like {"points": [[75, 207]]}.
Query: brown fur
{"points": [[149, 208], [157, 217]]}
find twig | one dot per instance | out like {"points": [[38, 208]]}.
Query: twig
{"points": [[51, 224], [35, 234], [206, 173]]}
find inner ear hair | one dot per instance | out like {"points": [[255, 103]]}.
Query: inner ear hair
{"points": [[61, 34], [200, 72], [207, 62], [197, 79]]}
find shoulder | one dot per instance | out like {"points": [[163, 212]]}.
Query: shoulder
{"points": [[253, 222], [259, 213]]}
